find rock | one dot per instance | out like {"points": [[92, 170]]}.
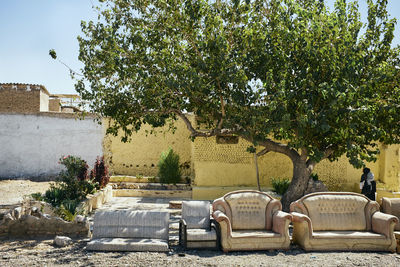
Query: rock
{"points": [[62, 241], [17, 213], [315, 186], [80, 219], [8, 217]]}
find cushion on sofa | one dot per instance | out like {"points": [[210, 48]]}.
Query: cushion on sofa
{"points": [[131, 224], [348, 234], [248, 210], [337, 212]]}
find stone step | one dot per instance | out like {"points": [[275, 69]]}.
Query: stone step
{"points": [[150, 186], [186, 194], [133, 179]]}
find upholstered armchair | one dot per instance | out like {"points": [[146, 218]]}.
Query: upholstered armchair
{"points": [[196, 228], [251, 220]]}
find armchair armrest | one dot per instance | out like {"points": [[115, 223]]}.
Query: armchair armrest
{"points": [[383, 223], [182, 232], [302, 228], [223, 221], [280, 222]]}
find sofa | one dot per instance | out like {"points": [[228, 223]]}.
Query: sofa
{"points": [[392, 206], [251, 220], [196, 228], [130, 230], [341, 221]]}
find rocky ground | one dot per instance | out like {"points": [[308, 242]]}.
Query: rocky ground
{"points": [[17, 252]]}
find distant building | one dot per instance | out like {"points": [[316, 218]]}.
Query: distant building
{"points": [[32, 98], [23, 98]]}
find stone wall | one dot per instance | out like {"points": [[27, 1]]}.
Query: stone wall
{"points": [[55, 105], [31, 223], [23, 98], [31, 144]]}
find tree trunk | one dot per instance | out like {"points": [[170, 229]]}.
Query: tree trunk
{"points": [[301, 175]]}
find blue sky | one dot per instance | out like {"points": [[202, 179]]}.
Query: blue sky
{"points": [[30, 28]]}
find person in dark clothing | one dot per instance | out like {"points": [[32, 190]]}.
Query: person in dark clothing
{"points": [[368, 184]]}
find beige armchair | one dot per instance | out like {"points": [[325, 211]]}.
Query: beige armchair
{"points": [[251, 220], [341, 221], [392, 206]]}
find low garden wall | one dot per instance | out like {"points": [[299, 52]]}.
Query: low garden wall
{"points": [[37, 218]]}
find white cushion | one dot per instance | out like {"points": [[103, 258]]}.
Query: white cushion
{"points": [[196, 214], [347, 234], [201, 235], [127, 244]]}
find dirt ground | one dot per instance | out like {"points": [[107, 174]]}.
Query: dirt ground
{"points": [[43, 253], [17, 252], [13, 191]]}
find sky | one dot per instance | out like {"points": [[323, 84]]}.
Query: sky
{"points": [[30, 28]]}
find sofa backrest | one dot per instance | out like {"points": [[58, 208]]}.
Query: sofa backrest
{"points": [[196, 214], [131, 224], [248, 209], [337, 211], [392, 206]]}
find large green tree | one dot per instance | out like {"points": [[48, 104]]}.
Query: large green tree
{"points": [[289, 76]]}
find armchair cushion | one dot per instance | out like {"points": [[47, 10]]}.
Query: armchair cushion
{"points": [[201, 235], [196, 214]]}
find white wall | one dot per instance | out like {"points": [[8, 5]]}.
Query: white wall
{"points": [[31, 145], [44, 101]]}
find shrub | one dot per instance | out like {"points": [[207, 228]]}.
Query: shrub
{"points": [[168, 167], [69, 209], [280, 186], [314, 176], [76, 167], [99, 173], [71, 187]]}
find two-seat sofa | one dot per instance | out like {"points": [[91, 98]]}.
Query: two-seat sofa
{"points": [[341, 221]]}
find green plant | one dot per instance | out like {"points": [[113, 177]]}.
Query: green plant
{"points": [[75, 167], [280, 186], [37, 196], [314, 176], [168, 167], [69, 209], [99, 174]]}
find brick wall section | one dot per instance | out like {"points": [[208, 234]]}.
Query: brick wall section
{"points": [[55, 105], [20, 98]]}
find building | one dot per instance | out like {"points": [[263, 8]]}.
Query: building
{"points": [[32, 98]]}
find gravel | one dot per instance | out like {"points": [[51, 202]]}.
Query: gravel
{"points": [[43, 253]]}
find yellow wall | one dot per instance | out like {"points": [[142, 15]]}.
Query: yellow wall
{"points": [[140, 156], [219, 168]]}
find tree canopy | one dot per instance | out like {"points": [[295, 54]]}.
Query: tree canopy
{"points": [[291, 76]]}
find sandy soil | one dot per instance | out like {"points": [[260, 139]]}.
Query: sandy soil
{"points": [[13, 191]]}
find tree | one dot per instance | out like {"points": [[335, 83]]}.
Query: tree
{"points": [[289, 76]]}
